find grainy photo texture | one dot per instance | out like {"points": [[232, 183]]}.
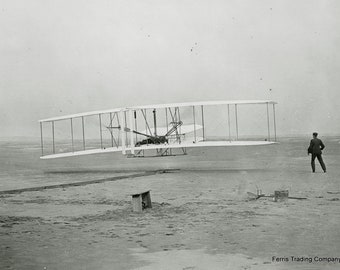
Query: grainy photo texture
{"points": [[169, 134]]}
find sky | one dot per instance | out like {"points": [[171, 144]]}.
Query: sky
{"points": [[64, 57]]}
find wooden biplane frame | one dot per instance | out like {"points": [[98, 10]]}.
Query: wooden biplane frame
{"points": [[124, 124]]}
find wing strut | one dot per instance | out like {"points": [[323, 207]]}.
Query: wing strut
{"points": [[267, 105], [179, 120], [193, 112], [111, 127], [53, 137], [274, 121], [154, 122], [111, 119], [166, 120], [229, 122], [41, 139], [125, 120], [174, 119], [123, 135], [72, 134], [100, 130], [203, 122], [135, 116], [132, 144], [83, 128], [236, 122]]}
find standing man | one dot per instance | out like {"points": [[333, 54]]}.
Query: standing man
{"points": [[315, 148]]}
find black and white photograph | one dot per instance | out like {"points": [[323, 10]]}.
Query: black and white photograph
{"points": [[169, 135]]}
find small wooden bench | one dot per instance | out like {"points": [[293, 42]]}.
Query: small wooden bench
{"points": [[141, 200]]}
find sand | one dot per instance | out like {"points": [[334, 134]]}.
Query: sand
{"points": [[202, 216]]}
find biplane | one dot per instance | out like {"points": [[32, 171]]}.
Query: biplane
{"points": [[162, 129]]}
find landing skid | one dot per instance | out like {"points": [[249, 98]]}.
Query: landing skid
{"points": [[167, 152]]}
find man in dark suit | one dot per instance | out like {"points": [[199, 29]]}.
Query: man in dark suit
{"points": [[315, 148]]}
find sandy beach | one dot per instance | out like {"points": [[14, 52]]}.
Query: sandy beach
{"points": [[202, 216]]}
